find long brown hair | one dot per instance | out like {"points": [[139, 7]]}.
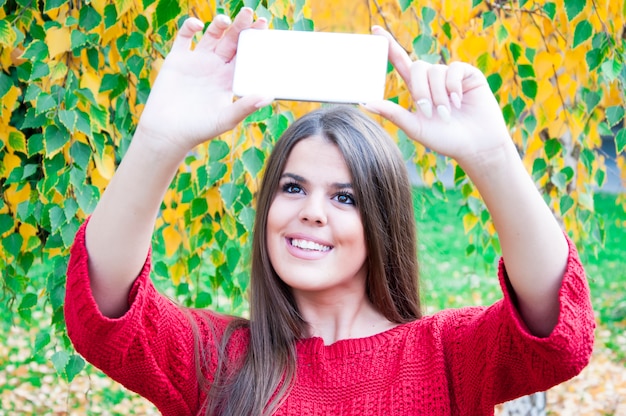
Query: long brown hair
{"points": [[383, 194]]}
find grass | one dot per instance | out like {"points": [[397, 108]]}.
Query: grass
{"points": [[450, 278]]}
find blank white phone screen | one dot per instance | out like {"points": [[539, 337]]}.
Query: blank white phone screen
{"points": [[311, 66]]}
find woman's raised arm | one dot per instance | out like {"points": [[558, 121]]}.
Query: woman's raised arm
{"points": [[458, 116], [190, 102]]}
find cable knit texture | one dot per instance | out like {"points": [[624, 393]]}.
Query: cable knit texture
{"points": [[456, 362]]}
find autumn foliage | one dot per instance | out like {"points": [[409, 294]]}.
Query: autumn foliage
{"points": [[75, 76]]}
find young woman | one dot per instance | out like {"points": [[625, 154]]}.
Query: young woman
{"points": [[335, 324]]}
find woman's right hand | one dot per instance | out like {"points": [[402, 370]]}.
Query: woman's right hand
{"points": [[192, 100]]}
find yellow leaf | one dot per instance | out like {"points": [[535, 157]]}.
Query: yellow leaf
{"points": [[9, 163], [58, 40], [469, 221], [58, 70], [178, 271], [547, 63], [13, 196], [172, 240], [106, 164], [214, 201], [9, 103]]}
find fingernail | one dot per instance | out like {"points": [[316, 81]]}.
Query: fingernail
{"points": [[456, 100], [224, 19], [444, 113], [263, 102], [426, 106]]}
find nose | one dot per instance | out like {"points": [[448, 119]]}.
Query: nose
{"points": [[313, 210]]}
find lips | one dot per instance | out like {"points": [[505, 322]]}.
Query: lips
{"points": [[308, 245]]}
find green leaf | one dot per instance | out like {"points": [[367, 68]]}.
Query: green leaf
{"points": [[591, 98], [54, 139], [78, 39], [68, 119], [246, 217], [110, 16], [41, 340], [526, 71], [620, 141], [489, 18], [28, 301], [422, 44], [530, 123], [303, 25], [37, 50], [529, 88], [13, 244], [229, 192], [203, 300], [405, 4], [476, 3], [565, 204], [516, 51], [519, 106], [582, 32], [141, 22], [594, 58], [7, 35], [218, 150], [88, 18], [559, 180], [574, 7], [45, 102], [6, 223], [552, 148], [59, 360], [52, 4], [539, 168], [5, 84], [199, 208], [166, 10], [40, 70], [614, 115], [495, 82], [17, 141], [428, 15], [550, 9], [253, 160]]}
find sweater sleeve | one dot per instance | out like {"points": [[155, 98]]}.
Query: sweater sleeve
{"points": [[494, 358], [150, 349]]}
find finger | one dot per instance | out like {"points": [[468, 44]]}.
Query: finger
{"points": [[214, 32], [437, 78], [260, 23], [397, 55], [398, 115], [454, 83], [227, 46], [419, 87], [241, 109], [186, 33]]}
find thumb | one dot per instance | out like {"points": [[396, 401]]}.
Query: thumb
{"points": [[242, 108], [398, 115]]}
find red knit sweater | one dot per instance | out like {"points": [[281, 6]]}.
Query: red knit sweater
{"points": [[456, 362]]}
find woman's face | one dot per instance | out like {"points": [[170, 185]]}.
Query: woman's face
{"points": [[315, 235]]}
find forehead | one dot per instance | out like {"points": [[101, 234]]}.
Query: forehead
{"points": [[319, 156]]}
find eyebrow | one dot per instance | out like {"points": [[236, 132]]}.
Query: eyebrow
{"points": [[298, 178]]}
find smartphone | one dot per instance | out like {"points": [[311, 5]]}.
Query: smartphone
{"points": [[311, 66]]}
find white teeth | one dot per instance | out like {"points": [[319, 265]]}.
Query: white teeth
{"points": [[308, 245]]}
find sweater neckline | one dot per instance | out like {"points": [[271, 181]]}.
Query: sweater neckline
{"points": [[350, 346]]}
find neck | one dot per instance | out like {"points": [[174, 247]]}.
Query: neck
{"points": [[341, 316]]}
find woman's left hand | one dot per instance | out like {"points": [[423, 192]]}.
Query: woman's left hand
{"points": [[455, 112]]}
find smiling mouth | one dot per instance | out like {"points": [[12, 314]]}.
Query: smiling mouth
{"points": [[308, 245]]}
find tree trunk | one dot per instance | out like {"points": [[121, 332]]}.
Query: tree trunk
{"points": [[533, 405]]}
